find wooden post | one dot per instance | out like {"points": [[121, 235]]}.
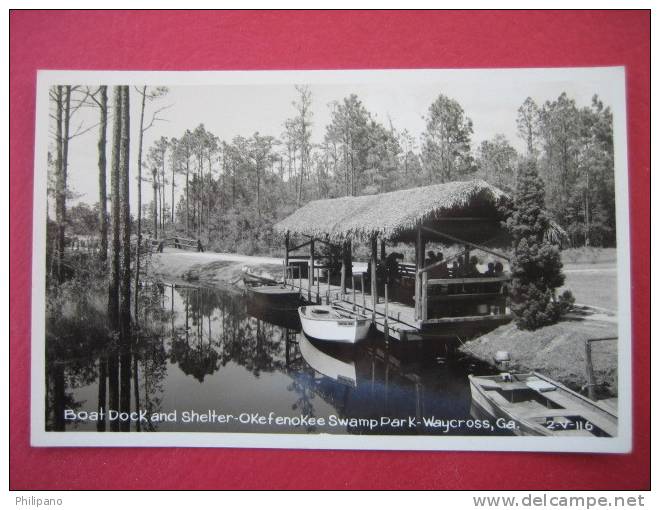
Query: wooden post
{"points": [[343, 267], [342, 282], [419, 264], [299, 277], [591, 380], [364, 297], [382, 250], [327, 294], [425, 296], [310, 272], [353, 285], [374, 285], [385, 330], [318, 286], [286, 256], [346, 264]]}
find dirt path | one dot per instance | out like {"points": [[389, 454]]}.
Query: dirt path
{"points": [[211, 268]]}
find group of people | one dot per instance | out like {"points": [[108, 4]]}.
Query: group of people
{"points": [[458, 268], [389, 270]]}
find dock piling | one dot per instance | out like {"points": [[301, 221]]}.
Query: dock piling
{"points": [[385, 328], [364, 298], [353, 285]]}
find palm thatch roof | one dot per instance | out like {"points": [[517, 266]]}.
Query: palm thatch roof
{"points": [[394, 216]]}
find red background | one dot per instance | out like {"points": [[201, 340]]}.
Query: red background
{"points": [[321, 40]]}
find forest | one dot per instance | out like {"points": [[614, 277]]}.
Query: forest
{"points": [[228, 193]]}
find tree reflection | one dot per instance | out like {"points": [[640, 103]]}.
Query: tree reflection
{"points": [[201, 331]]}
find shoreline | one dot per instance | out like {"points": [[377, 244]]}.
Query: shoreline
{"points": [[210, 268], [557, 351]]}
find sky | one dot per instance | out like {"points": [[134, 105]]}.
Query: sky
{"points": [[231, 104]]}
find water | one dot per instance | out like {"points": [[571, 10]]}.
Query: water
{"points": [[215, 353]]}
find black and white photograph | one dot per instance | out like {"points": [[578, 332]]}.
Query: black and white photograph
{"points": [[390, 260]]}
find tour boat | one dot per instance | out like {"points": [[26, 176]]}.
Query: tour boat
{"points": [[540, 406], [325, 322]]}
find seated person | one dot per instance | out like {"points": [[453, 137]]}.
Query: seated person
{"points": [[472, 269], [440, 271], [491, 269], [430, 258], [498, 269], [460, 272], [392, 266]]}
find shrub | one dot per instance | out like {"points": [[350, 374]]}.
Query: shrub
{"points": [[536, 266]]}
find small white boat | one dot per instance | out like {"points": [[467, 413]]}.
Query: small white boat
{"points": [[325, 322]]}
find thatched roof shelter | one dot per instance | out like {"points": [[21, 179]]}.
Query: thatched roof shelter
{"points": [[471, 210]]}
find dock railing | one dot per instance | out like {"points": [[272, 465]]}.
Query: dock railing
{"points": [[423, 282], [293, 272]]}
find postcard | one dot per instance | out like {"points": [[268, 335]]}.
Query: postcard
{"points": [[373, 259]]}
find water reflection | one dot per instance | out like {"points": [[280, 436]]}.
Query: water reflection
{"points": [[205, 350]]}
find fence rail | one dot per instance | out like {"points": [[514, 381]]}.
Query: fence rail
{"points": [[182, 243], [589, 367]]}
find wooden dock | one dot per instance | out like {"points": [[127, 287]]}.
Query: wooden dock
{"points": [[393, 319]]}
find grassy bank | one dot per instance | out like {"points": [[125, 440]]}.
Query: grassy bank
{"points": [[556, 351]]}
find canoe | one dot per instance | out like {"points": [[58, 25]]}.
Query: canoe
{"points": [[541, 406], [325, 322]]}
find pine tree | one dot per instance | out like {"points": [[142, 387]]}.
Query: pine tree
{"points": [[536, 267]]}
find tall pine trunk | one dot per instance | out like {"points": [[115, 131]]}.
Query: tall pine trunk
{"points": [[161, 192], [139, 202], [200, 194], [103, 205], [125, 219], [115, 264], [154, 186], [208, 199], [63, 117], [187, 195], [60, 191]]}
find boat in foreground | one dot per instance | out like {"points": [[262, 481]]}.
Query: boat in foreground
{"points": [[325, 322], [541, 406]]}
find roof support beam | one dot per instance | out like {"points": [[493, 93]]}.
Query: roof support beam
{"points": [[299, 246], [324, 241], [467, 243]]}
